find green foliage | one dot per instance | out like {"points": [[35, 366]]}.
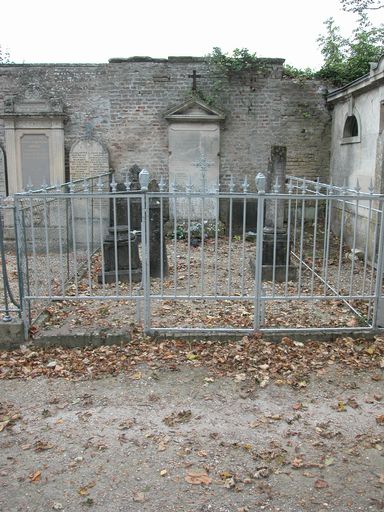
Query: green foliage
{"points": [[301, 74], [241, 60], [4, 56], [361, 6], [222, 67], [348, 59]]}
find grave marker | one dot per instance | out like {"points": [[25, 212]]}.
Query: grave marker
{"points": [[88, 157]]}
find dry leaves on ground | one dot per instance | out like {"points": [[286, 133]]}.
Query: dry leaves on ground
{"points": [[287, 362]]}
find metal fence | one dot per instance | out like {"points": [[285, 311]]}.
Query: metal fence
{"points": [[183, 261]]}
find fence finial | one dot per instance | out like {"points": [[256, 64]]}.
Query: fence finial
{"points": [[245, 184], [189, 186], [144, 179], [113, 184], [260, 183], [127, 182], [231, 184]]}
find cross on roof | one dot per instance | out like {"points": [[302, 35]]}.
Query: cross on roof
{"points": [[194, 76]]}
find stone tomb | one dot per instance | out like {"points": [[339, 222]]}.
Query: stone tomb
{"points": [[88, 157], [194, 149]]}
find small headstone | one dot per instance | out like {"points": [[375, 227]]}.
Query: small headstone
{"points": [[2, 174], [88, 158], [125, 251], [276, 252]]}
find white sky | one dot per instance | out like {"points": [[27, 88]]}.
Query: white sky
{"points": [[95, 31]]}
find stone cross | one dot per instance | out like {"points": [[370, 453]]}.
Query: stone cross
{"points": [[194, 76]]}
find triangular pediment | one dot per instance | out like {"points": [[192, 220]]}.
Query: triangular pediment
{"points": [[194, 110]]}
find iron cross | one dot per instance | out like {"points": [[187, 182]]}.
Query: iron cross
{"points": [[194, 76]]}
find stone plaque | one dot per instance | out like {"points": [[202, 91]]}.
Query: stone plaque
{"points": [[2, 173], [88, 158], [194, 160], [34, 152]]}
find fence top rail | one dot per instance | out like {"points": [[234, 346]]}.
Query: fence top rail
{"points": [[106, 184], [74, 186], [316, 187]]}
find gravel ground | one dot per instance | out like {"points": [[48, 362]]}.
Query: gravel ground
{"points": [[187, 438]]}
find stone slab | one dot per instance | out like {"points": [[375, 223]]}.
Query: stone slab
{"points": [[88, 157]]}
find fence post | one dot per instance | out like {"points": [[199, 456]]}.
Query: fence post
{"points": [[378, 314], [144, 181], [6, 316], [21, 256], [260, 185]]}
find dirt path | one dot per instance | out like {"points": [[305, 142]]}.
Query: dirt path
{"points": [[188, 437]]}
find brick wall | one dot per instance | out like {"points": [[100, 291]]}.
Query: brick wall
{"points": [[125, 100]]}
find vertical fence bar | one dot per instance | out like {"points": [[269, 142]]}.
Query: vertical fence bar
{"points": [[6, 317], [230, 244], [327, 225], [115, 244], [202, 252], [243, 244], [354, 238], [341, 246], [146, 261], [74, 242], [88, 245], [101, 238], [260, 185], [22, 256], [378, 314], [60, 228], [216, 240], [288, 240], [315, 226]]}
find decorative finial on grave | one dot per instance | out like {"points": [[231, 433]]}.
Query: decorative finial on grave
{"points": [[194, 77]]}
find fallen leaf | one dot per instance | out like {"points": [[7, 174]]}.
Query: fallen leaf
{"points": [[380, 419], [35, 477], [179, 417], [197, 478], [297, 463], [138, 497], [84, 491], [321, 484]]}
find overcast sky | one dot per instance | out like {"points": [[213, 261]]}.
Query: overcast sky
{"points": [[91, 31]]}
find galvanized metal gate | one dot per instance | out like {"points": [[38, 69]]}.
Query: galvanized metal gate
{"points": [[308, 258]]}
